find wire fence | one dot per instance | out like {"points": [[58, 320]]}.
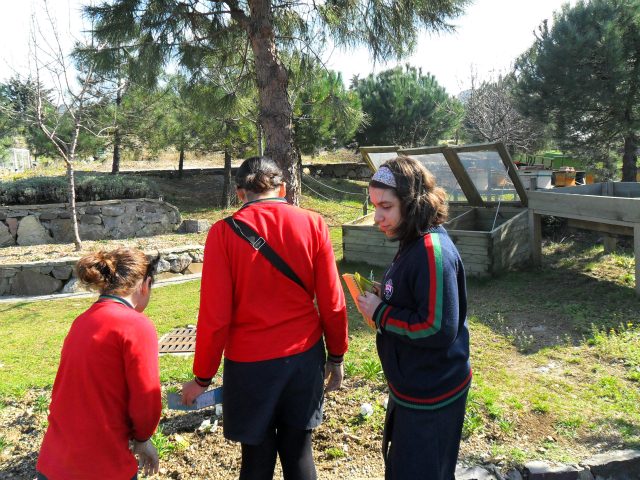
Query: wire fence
{"points": [[329, 187], [362, 210], [331, 199]]}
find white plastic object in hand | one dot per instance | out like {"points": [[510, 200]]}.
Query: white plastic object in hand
{"points": [[366, 410]]}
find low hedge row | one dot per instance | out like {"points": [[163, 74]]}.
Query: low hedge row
{"points": [[43, 190]]}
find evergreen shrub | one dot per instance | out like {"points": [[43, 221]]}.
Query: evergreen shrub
{"points": [[43, 190]]}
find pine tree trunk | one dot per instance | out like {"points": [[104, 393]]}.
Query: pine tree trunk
{"points": [[630, 159], [275, 110], [115, 166], [226, 186], [72, 205], [181, 163]]}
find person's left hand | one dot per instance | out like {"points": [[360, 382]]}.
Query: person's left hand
{"points": [[368, 303]]}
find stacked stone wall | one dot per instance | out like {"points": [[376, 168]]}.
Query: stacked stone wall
{"points": [[101, 220], [47, 277], [353, 171]]}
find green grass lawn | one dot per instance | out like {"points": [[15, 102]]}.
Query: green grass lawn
{"points": [[555, 352]]}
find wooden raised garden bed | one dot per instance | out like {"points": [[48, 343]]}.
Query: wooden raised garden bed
{"points": [[487, 208]]}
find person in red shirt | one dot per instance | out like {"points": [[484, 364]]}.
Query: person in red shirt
{"points": [[268, 326], [107, 389]]}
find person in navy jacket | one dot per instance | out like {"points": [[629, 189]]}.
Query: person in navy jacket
{"points": [[420, 310]]}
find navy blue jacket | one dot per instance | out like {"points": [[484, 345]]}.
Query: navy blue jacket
{"points": [[423, 339]]}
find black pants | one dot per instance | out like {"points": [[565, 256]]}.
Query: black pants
{"points": [[293, 446], [424, 443]]}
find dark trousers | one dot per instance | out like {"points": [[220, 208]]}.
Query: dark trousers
{"points": [[424, 444], [292, 445]]}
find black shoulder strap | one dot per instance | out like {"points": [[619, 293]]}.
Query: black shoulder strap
{"points": [[256, 241]]}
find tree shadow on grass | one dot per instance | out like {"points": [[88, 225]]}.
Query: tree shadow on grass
{"points": [[578, 289], [621, 433]]}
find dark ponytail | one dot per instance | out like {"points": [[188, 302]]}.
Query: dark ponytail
{"points": [[259, 174]]}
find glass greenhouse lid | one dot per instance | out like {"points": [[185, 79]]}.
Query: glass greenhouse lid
{"points": [[478, 174], [376, 156]]}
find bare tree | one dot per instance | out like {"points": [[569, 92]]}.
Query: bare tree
{"points": [[491, 114], [68, 99]]}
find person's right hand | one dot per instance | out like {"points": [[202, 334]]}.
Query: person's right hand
{"points": [[190, 391], [147, 456], [377, 288]]}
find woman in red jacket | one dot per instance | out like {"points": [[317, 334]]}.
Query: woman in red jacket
{"points": [[107, 389], [266, 323]]}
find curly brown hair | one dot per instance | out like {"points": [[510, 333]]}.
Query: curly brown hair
{"points": [[117, 272], [422, 204]]}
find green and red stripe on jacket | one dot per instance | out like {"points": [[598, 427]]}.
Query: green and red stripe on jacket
{"points": [[424, 339], [432, 323]]}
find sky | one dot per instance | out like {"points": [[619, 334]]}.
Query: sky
{"points": [[489, 37]]}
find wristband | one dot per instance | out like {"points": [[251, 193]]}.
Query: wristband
{"points": [[336, 360], [203, 382]]}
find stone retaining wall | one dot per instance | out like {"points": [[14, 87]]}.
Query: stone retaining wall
{"points": [[59, 276], [354, 171], [102, 220]]}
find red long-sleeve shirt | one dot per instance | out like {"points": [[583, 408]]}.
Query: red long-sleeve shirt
{"points": [[107, 391], [249, 309]]}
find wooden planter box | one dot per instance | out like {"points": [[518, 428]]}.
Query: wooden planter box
{"points": [[484, 250], [610, 208], [486, 177]]}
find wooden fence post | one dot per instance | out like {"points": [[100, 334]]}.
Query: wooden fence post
{"points": [[535, 238], [365, 204]]}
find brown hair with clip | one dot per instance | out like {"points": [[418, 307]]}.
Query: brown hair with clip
{"points": [[117, 272]]}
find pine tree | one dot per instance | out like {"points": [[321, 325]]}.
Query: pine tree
{"points": [[583, 76], [404, 108], [186, 32]]}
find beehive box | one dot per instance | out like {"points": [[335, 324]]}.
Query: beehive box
{"points": [[488, 221]]}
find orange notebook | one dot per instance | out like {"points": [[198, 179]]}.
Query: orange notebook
{"points": [[357, 285]]}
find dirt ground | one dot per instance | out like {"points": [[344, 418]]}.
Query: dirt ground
{"points": [[346, 445], [338, 451]]}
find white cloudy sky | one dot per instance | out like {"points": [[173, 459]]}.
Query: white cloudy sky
{"points": [[489, 37]]}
